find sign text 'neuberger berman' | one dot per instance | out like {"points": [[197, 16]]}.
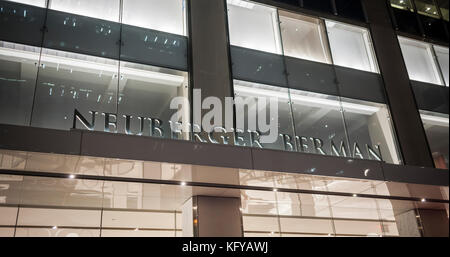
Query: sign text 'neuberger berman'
{"points": [[262, 129]]}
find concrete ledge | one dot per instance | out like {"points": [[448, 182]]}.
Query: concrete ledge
{"points": [[163, 150], [39, 140]]}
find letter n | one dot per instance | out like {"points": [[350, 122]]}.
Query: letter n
{"points": [[83, 120]]}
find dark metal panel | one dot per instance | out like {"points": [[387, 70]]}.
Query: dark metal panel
{"points": [[81, 34], [39, 140], [415, 175], [431, 97], [311, 164], [311, 76], [360, 85], [164, 150], [257, 66], [410, 133], [153, 47]]}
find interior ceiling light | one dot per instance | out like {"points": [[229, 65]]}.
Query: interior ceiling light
{"points": [[90, 66]]}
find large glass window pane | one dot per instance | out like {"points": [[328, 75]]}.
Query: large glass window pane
{"points": [[304, 37], [443, 60], [253, 26], [167, 15], [318, 5], [420, 61], [70, 81], [18, 72], [436, 128], [427, 7], [370, 131], [406, 21], [101, 9], [351, 9], [434, 28], [39, 3], [402, 4], [146, 92], [319, 124], [351, 47], [253, 96], [443, 5]]}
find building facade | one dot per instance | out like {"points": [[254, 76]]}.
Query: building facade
{"points": [[90, 147]]}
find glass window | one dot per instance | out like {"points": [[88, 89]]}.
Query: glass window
{"points": [[252, 96], [101, 9], [318, 5], [434, 28], [351, 46], [18, 72], [253, 26], [69, 81], [147, 91], [442, 56], [443, 5], [39, 3], [436, 128], [427, 7], [319, 124], [402, 4], [370, 131], [351, 9], [167, 15], [420, 61], [304, 37], [406, 21]]}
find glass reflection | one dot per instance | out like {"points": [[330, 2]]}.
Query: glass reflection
{"points": [[167, 15], [443, 5], [146, 92], [427, 7], [255, 97], [319, 124], [370, 131], [39, 3], [351, 47], [69, 81], [442, 55], [18, 72], [402, 4], [101, 9], [419, 61], [304, 37], [253, 26], [436, 127]]}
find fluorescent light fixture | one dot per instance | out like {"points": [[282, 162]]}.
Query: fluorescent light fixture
{"points": [[96, 67], [309, 101]]}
